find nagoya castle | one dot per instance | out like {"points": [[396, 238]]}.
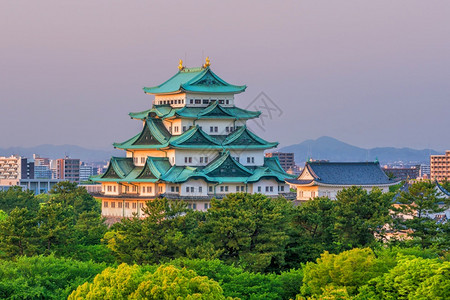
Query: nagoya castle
{"points": [[194, 145]]}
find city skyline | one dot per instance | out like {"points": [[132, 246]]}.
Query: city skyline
{"points": [[369, 74]]}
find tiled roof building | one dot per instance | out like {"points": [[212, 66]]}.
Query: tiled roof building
{"points": [[327, 178], [194, 145]]}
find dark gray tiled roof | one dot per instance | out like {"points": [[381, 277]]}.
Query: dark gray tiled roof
{"points": [[296, 181], [349, 173]]}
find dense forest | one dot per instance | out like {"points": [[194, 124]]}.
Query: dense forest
{"points": [[363, 245]]}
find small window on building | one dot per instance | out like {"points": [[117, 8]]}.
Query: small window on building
{"points": [[259, 189], [191, 101], [177, 189], [199, 189], [201, 160], [221, 188], [253, 160], [192, 189], [105, 204], [189, 206], [198, 101], [194, 205], [185, 160], [187, 189], [227, 129], [211, 129], [205, 101], [216, 129], [114, 188], [149, 189], [190, 159], [119, 204], [267, 188], [227, 101], [134, 205], [206, 206], [141, 205], [282, 188], [221, 101], [226, 188], [237, 189], [210, 189], [127, 205], [271, 188], [206, 159], [248, 160], [172, 189], [184, 128], [113, 204]]}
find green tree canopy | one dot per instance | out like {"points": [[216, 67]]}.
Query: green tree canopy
{"points": [[43, 277], [134, 282], [249, 229], [16, 197]]}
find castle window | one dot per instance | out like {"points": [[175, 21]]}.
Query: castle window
{"points": [[199, 189], [211, 129], [206, 159], [210, 189], [194, 205], [172, 189], [127, 205], [105, 204], [113, 204], [221, 101], [191, 101], [206, 205], [259, 189], [192, 189], [177, 189], [216, 129], [184, 128], [187, 189], [205, 101], [119, 204], [227, 101], [134, 205], [198, 101], [149, 189]]}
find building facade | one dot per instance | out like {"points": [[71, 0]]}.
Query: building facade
{"points": [[412, 172], [440, 167], [68, 169], [193, 145], [326, 179], [286, 160]]}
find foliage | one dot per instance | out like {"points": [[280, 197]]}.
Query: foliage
{"points": [[157, 238], [349, 269], [411, 278], [42, 277], [414, 213], [70, 220], [361, 215], [18, 233], [250, 230], [313, 230], [243, 284], [16, 197], [134, 282]]}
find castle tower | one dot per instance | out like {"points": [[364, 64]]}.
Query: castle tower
{"points": [[194, 145]]}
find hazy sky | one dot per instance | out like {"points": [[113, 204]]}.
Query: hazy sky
{"points": [[370, 73]]}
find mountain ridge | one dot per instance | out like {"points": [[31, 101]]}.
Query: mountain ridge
{"points": [[332, 149]]}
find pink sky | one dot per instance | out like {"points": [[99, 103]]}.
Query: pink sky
{"points": [[370, 73]]}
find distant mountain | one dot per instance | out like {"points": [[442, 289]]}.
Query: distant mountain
{"points": [[334, 150], [54, 151]]}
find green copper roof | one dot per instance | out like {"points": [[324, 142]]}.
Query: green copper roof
{"points": [[154, 135], [222, 169], [213, 111], [198, 80]]}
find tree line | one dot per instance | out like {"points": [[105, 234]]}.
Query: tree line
{"points": [[245, 246]]}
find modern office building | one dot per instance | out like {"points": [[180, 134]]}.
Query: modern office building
{"points": [[42, 172], [402, 173], [68, 169], [194, 145], [86, 172], [286, 160], [440, 167]]}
